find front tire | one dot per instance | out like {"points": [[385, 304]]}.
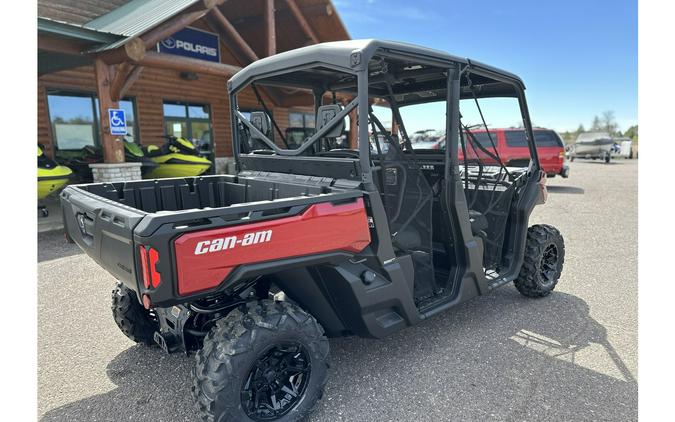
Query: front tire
{"points": [[543, 261], [133, 320], [264, 361]]}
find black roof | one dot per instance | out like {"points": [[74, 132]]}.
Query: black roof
{"points": [[339, 54]]}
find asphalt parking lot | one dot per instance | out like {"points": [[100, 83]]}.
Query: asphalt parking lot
{"points": [[570, 357]]}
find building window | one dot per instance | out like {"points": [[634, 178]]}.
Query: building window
{"points": [[189, 121], [300, 119], [74, 118]]}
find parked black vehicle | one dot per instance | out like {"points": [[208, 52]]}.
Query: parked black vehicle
{"points": [[254, 271]]}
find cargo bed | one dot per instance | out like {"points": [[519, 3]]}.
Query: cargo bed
{"points": [[110, 221]]}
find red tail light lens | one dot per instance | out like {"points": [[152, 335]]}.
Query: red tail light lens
{"points": [[144, 266], [155, 277], [146, 302], [149, 260]]}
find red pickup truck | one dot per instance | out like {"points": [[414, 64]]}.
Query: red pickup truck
{"points": [[512, 149]]}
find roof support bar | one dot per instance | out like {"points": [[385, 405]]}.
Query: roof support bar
{"points": [[271, 30], [297, 13], [229, 35], [125, 77], [121, 74], [185, 64], [229, 32]]}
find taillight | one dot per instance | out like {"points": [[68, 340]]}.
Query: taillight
{"points": [[144, 265], [155, 277], [149, 260]]}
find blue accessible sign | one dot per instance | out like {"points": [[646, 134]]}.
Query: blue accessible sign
{"points": [[118, 121]]}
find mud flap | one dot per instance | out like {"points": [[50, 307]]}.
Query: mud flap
{"points": [[170, 336]]}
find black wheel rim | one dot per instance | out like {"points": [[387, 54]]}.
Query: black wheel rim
{"points": [[276, 382], [549, 264]]}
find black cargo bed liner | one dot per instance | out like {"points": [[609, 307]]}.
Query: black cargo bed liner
{"points": [[203, 192]]}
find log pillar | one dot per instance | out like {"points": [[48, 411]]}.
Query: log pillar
{"points": [[271, 28], [113, 149], [353, 130]]}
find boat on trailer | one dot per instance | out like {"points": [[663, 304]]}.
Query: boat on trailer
{"points": [[593, 145]]}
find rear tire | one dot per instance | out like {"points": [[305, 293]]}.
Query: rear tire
{"points": [[259, 348], [542, 263], [607, 158], [134, 320]]}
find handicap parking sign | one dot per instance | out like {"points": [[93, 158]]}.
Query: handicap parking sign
{"points": [[118, 122]]}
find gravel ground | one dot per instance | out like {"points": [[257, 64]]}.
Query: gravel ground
{"points": [[570, 356]]}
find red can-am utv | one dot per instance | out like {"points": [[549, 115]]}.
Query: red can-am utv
{"points": [[254, 271]]}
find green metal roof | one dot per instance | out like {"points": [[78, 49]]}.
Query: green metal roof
{"points": [[49, 62], [107, 31], [135, 18], [115, 28], [68, 30]]}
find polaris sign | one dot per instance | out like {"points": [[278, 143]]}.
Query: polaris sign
{"points": [[192, 43]]}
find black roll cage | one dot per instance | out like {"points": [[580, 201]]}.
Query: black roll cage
{"points": [[370, 61], [454, 69]]}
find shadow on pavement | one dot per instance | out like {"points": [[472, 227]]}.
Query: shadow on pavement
{"points": [[499, 357], [53, 245], [590, 161], [565, 189]]}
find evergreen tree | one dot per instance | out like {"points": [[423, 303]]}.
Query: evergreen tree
{"points": [[596, 125], [608, 122]]}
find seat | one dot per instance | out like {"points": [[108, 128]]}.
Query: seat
{"points": [[479, 223], [332, 139], [261, 121], [408, 238], [326, 113]]}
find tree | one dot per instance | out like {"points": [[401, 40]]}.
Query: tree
{"points": [[608, 122], [566, 136], [632, 133], [596, 125]]}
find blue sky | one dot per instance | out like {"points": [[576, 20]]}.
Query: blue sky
{"points": [[577, 58]]}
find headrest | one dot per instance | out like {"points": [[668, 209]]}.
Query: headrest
{"points": [[325, 114], [261, 121]]}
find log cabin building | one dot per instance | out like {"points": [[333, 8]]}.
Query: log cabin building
{"points": [[166, 63]]}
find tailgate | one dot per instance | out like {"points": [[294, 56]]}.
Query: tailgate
{"points": [[103, 229]]}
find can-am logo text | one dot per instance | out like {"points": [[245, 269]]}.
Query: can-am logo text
{"points": [[230, 242]]}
